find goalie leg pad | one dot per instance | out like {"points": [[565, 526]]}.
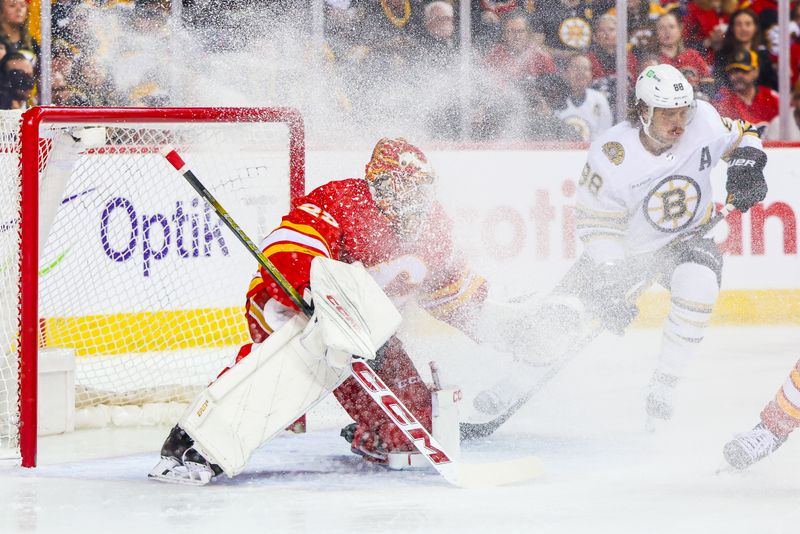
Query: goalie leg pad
{"points": [[258, 397], [374, 432]]}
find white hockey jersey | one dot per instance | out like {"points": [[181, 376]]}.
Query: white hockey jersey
{"points": [[591, 118], [630, 201]]}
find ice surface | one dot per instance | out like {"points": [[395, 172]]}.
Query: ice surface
{"points": [[604, 473]]}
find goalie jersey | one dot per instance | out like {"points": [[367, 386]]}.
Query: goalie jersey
{"points": [[631, 201], [340, 220]]}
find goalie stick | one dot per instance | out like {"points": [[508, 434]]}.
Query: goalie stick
{"points": [[453, 470], [481, 430]]}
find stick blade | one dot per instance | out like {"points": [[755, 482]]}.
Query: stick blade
{"points": [[504, 473]]}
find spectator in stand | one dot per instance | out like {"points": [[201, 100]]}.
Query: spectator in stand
{"points": [[705, 23], [95, 85], [488, 14], [744, 98], [671, 50], [744, 33], [603, 54], [768, 21], [438, 44], [517, 56], [388, 29], [603, 57], [16, 91], [773, 130], [567, 25], [543, 98], [642, 16], [63, 57], [14, 30], [586, 109], [64, 94]]}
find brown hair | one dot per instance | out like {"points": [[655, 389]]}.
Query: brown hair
{"points": [[673, 14], [25, 37], [729, 42]]}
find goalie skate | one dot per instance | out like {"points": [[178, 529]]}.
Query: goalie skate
{"points": [[189, 473]]}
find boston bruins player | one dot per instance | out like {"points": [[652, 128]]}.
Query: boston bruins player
{"points": [[646, 184]]}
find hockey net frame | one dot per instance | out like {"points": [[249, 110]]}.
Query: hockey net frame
{"points": [[31, 154]]}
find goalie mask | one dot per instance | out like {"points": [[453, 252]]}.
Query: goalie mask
{"points": [[401, 181], [664, 87]]}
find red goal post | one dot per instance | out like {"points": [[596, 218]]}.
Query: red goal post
{"points": [[128, 159]]}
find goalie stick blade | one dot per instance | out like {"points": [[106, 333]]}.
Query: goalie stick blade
{"points": [[503, 473]]}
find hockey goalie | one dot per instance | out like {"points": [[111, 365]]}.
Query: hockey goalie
{"points": [[388, 221]]}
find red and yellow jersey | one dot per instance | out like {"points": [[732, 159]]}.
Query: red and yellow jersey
{"points": [[340, 220]]}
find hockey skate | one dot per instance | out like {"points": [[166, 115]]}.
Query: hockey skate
{"points": [[378, 454], [181, 464], [749, 447], [658, 404]]}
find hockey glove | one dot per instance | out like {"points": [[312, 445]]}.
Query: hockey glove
{"points": [[609, 296], [746, 185], [617, 314]]}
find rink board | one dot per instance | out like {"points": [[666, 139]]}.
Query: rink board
{"points": [[513, 214], [513, 219]]}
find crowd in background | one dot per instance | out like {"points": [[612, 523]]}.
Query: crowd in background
{"points": [[538, 71]]}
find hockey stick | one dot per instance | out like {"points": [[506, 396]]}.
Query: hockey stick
{"points": [[454, 471], [481, 430]]}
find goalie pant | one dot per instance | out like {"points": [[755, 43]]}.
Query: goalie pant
{"points": [[782, 414]]}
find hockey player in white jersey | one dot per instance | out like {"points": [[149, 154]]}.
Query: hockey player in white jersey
{"points": [[643, 199]]}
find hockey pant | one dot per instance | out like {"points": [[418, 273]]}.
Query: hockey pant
{"points": [[692, 274]]}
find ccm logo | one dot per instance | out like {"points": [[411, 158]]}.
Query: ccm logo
{"points": [[743, 163], [340, 309]]}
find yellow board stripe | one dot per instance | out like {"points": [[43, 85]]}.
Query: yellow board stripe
{"points": [[734, 307], [123, 333], [219, 327]]}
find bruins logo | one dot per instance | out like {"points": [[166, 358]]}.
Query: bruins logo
{"points": [[672, 204], [581, 126], [614, 152], [575, 32]]}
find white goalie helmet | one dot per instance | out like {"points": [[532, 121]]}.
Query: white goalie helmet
{"points": [[663, 86]]}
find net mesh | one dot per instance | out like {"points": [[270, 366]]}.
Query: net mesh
{"points": [[137, 275], [9, 280]]}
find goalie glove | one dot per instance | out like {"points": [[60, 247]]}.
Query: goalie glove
{"points": [[746, 185]]}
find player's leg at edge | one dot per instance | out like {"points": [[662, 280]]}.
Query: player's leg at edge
{"points": [[779, 418]]}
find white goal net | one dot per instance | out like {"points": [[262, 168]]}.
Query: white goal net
{"points": [[137, 277]]}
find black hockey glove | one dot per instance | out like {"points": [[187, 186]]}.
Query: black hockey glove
{"points": [[746, 185], [609, 297]]}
